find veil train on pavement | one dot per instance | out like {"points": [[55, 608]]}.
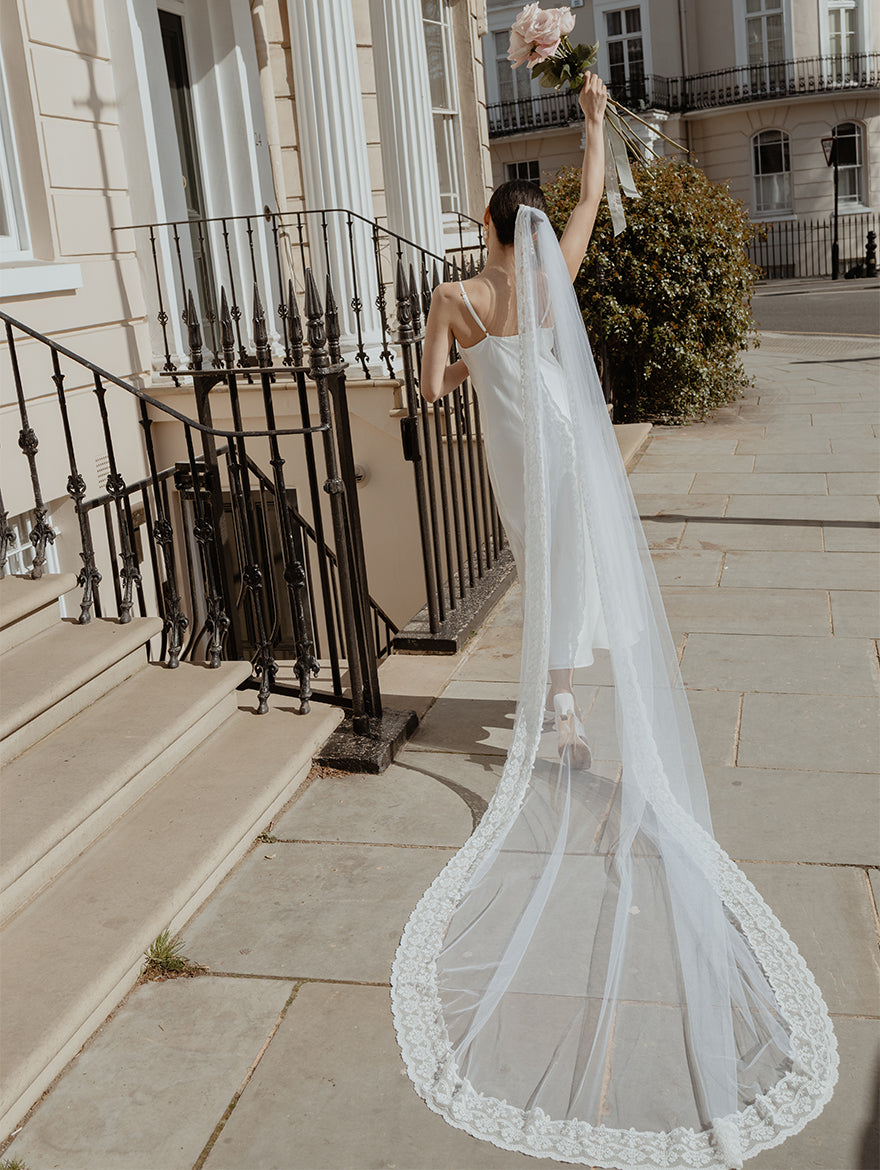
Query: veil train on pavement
{"points": [[591, 978]]}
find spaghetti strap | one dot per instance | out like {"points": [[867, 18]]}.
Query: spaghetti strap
{"points": [[472, 310]]}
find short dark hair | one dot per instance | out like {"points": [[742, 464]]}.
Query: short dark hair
{"points": [[505, 201]]}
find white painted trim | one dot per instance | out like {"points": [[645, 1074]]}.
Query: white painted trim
{"points": [[863, 7], [739, 31], [600, 7], [25, 280]]}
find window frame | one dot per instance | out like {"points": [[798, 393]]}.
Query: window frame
{"points": [[863, 24], [600, 8], [764, 213], [739, 32], [515, 166], [449, 115], [860, 203], [15, 245]]}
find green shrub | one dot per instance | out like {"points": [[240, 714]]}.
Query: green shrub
{"points": [[675, 309]]}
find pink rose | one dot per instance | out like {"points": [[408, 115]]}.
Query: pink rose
{"points": [[539, 31], [519, 51]]}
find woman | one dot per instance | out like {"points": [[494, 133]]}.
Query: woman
{"points": [[591, 978], [480, 317]]}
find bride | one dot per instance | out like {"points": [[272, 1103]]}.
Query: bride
{"points": [[590, 978]]}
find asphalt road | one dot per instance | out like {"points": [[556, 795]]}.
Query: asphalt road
{"points": [[819, 306]]}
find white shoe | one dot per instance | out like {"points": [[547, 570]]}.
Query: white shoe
{"points": [[570, 732]]}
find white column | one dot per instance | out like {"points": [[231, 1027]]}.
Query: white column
{"points": [[333, 157], [409, 156]]}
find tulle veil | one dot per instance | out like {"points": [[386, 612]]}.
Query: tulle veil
{"points": [[591, 978]]}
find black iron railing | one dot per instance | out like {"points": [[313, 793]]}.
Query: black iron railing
{"points": [[802, 248], [219, 545], [800, 76], [459, 528], [200, 257], [464, 551]]}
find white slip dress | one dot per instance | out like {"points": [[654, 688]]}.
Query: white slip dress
{"points": [[577, 626]]}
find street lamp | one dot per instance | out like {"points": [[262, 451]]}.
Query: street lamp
{"points": [[829, 145]]}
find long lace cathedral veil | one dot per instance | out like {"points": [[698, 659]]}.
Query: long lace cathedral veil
{"points": [[591, 978]]}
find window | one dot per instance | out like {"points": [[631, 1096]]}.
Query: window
{"points": [[765, 38], [530, 170], [626, 58], [851, 187], [514, 85], [444, 99], [765, 31], [843, 39], [771, 169], [14, 236], [20, 551]]}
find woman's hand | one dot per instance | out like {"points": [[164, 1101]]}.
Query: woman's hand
{"points": [[593, 97]]}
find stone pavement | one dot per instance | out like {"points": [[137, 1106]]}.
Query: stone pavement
{"points": [[764, 526]]}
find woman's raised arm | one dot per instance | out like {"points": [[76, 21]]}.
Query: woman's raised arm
{"points": [[593, 98]]}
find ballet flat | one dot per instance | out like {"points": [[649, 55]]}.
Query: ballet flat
{"points": [[570, 731]]}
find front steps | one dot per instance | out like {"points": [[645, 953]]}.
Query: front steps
{"points": [[131, 790]]}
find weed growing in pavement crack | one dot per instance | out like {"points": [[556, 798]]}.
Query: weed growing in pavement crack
{"points": [[164, 959]]}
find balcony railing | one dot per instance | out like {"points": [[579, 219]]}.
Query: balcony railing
{"points": [[799, 77]]}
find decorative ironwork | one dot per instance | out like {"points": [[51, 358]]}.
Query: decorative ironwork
{"points": [[41, 533], [803, 248], [798, 77], [216, 546]]}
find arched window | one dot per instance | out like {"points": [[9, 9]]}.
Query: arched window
{"points": [[771, 170], [850, 160]]}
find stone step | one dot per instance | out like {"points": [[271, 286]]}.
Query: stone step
{"points": [[62, 793], [51, 677], [71, 954], [27, 607]]}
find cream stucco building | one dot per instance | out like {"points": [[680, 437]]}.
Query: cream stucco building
{"points": [[751, 87]]}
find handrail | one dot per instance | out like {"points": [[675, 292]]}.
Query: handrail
{"points": [[313, 536], [154, 402]]}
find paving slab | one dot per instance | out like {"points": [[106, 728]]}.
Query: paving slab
{"points": [[853, 483], [782, 484], [855, 446], [646, 483], [411, 682], [827, 911], [846, 1136], [687, 566], [830, 509], [772, 535], [715, 715], [824, 829], [149, 1088], [469, 717], [669, 504], [663, 533], [818, 733], [800, 570], [864, 538], [314, 911], [494, 655], [748, 611], [862, 461], [331, 1093], [758, 662], [855, 613], [785, 445], [677, 440], [422, 799], [694, 460]]}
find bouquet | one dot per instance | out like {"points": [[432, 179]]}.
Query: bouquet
{"points": [[539, 39]]}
